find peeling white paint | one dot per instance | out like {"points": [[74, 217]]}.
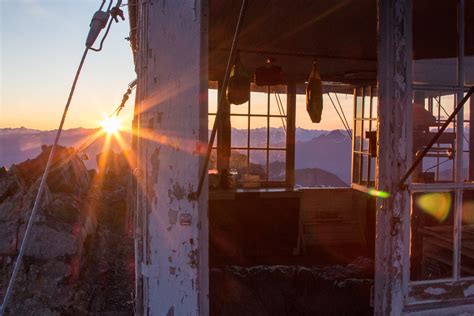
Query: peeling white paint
{"points": [[172, 72], [435, 290]]}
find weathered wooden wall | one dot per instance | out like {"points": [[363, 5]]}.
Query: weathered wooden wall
{"points": [[172, 100], [330, 222]]}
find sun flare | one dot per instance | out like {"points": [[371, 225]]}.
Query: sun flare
{"points": [[111, 125]]}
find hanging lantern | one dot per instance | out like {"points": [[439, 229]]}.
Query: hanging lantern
{"points": [[268, 75], [314, 95], [238, 88]]}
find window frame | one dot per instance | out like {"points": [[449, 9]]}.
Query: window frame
{"points": [[288, 117], [372, 121], [416, 292]]}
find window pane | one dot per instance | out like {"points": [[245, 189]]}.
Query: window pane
{"points": [[277, 165], [212, 100], [365, 139], [359, 103], [239, 109], [258, 164], [258, 100], [258, 132], [239, 163], [432, 218], [435, 42], [211, 119], [277, 132], [364, 165], [429, 112], [278, 100], [356, 168], [374, 102], [239, 131], [468, 142], [467, 234], [358, 135], [367, 98], [372, 171]]}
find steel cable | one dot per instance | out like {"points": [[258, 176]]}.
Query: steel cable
{"points": [[41, 188]]}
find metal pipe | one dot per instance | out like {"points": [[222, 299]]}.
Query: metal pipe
{"points": [[39, 194]]}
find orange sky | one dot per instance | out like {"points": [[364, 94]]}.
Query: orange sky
{"points": [[40, 48]]}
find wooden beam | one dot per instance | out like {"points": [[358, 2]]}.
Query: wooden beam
{"points": [[290, 134], [394, 151], [471, 140], [224, 134], [173, 127]]}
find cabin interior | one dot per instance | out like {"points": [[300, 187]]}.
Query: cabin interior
{"points": [[285, 222], [260, 215]]}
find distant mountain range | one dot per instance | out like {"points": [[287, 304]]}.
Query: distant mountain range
{"points": [[319, 154], [19, 144]]}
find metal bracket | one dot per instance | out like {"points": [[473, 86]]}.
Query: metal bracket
{"points": [[150, 270]]}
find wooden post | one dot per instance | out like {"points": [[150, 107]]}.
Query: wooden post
{"points": [[290, 133], [173, 126], [471, 139], [394, 154], [224, 134]]}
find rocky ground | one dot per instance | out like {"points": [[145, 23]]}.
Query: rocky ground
{"points": [[79, 256]]}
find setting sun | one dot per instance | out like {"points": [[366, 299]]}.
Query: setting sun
{"points": [[111, 125]]}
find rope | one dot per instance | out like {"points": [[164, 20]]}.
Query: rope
{"points": [[342, 111], [42, 185], [281, 110], [340, 117], [221, 95]]}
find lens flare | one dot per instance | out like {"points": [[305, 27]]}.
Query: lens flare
{"points": [[377, 193], [437, 205], [111, 125]]}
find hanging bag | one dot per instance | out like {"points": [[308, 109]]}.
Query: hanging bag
{"points": [[238, 88], [314, 95]]}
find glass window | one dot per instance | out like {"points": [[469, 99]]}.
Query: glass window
{"points": [[258, 137], [467, 234], [365, 136], [429, 112], [432, 219]]}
